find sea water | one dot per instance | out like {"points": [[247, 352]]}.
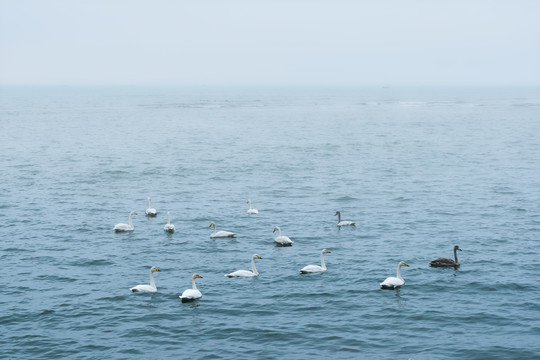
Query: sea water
{"points": [[418, 169]]}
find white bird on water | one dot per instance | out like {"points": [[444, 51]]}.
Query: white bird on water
{"points": [[220, 234], [246, 273], [316, 268], [125, 227], [394, 282], [147, 288], [344, 222], [150, 211], [168, 226], [193, 293], [282, 240], [251, 210]]}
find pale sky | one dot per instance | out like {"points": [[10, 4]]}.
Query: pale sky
{"points": [[246, 42]]}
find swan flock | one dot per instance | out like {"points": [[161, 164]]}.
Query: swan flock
{"points": [[194, 293]]}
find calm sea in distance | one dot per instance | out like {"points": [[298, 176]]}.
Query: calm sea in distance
{"points": [[418, 169]]}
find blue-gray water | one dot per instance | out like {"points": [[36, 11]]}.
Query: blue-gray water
{"points": [[419, 170]]}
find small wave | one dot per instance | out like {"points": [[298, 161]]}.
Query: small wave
{"points": [[346, 198], [526, 104], [401, 198], [91, 262], [55, 278]]}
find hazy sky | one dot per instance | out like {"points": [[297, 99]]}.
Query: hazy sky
{"points": [[352, 42]]}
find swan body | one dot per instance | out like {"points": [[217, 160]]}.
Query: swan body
{"points": [[446, 262], [150, 211], [168, 226], [343, 223], [147, 288], [125, 227], [246, 273], [394, 282], [221, 234], [309, 269], [282, 240], [251, 210], [193, 293]]}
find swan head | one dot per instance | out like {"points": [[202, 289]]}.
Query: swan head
{"points": [[337, 213], [133, 213], [256, 256], [154, 269], [403, 263], [275, 229], [457, 248], [196, 276], [248, 201], [325, 251], [212, 224]]}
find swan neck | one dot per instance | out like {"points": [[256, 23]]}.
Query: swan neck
{"points": [[279, 231], [249, 202], [168, 219], [338, 218], [455, 256], [214, 225], [148, 201], [253, 266], [130, 222], [152, 283], [323, 265], [193, 284], [398, 275]]}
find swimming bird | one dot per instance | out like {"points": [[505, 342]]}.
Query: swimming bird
{"points": [[168, 226], [343, 223], [251, 210], [316, 268], [442, 262], [147, 288], [394, 282], [282, 240], [150, 211], [125, 227], [193, 293], [246, 273], [220, 234]]}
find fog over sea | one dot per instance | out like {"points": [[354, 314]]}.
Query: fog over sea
{"points": [[418, 169]]}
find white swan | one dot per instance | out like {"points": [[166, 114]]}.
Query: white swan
{"points": [[193, 293], [246, 273], [147, 288], [394, 282], [125, 227], [220, 234], [251, 210], [315, 268], [282, 240], [168, 226], [150, 211], [343, 223]]}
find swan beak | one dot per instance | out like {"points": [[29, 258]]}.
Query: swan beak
{"points": [[258, 257], [134, 213], [211, 224], [328, 251], [405, 264], [274, 230], [199, 276], [157, 269], [459, 249]]}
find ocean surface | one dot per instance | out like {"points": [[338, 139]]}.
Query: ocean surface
{"points": [[418, 169]]}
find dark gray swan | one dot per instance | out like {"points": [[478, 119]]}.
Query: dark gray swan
{"points": [[442, 262]]}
